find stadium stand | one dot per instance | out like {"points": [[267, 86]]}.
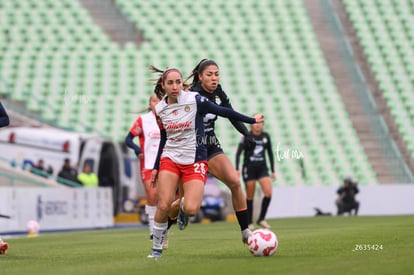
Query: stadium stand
{"points": [[10, 176], [60, 63], [384, 29]]}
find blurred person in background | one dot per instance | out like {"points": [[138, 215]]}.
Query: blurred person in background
{"points": [[88, 178], [255, 169], [146, 129], [4, 121], [346, 201], [68, 172], [39, 169]]}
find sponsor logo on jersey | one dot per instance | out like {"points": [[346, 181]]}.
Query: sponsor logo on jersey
{"points": [[179, 125]]}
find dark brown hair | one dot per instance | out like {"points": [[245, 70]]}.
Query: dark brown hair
{"points": [[201, 66], [158, 90]]}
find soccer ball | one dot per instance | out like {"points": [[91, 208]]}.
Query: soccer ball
{"points": [[262, 242], [33, 227]]}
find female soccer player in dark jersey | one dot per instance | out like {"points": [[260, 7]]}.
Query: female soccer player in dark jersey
{"points": [[255, 169], [206, 78]]}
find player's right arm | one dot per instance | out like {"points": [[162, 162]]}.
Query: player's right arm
{"points": [[135, 131], [238, 153], [205, 106]]}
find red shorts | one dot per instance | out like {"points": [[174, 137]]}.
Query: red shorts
{"points": [[146, 174], [187, 172]]}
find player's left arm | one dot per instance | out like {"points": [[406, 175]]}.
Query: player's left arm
{"points": [[163, 140], [355, 187], [270, 153], [238, 153], [205, 106], [271, 156]]}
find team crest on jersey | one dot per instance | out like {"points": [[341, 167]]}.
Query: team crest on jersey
{"points": [[187, 108], [264, 140], [217, 100], [159, 122]]}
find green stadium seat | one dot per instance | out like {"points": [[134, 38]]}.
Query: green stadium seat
{"points": [[78, 56]]}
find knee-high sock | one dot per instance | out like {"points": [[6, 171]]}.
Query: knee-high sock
{"points": [[160, 229], [250, 210], [150, 211], [242, 218], [263, 210]]}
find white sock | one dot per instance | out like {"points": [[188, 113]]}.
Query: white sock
{"points": [[160, 229], [150, 211]]}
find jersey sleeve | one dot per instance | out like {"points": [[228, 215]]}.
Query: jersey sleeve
{"points": [[238, 152], [205, 106], [129, 141], [270, 153], [136, 129], [163, 140]]}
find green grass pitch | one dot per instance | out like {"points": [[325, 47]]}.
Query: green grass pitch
{"points": [[315, 245]]}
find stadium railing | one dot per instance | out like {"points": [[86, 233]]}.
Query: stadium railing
{"points": [[22, 108], [387, 144], [16, 174]]}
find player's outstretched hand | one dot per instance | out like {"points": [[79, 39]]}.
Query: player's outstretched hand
{"points": [[259, 118]]}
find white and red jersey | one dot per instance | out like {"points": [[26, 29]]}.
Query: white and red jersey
{"points": [[146, 128], [182, 124], [184, 128]]}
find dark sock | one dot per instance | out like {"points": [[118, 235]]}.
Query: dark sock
{"points": [[263, 210], [249, 211], [242, 218], [171, 222]]}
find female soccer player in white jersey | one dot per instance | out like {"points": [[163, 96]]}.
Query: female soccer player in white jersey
{"points": [[182, 153], [146, 128]]}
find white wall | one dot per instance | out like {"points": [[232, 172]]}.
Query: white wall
{"points": [[55, 208], [294, 201]]}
